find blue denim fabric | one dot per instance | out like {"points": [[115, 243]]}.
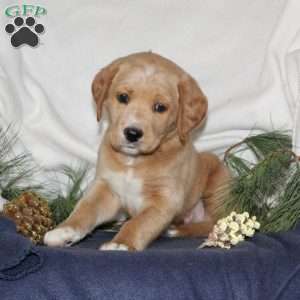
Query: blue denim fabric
{"points": [[266, 267]]}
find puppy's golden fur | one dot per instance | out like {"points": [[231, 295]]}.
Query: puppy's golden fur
{"points": [[159, 179]]}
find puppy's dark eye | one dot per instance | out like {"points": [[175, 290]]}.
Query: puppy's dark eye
{"points": [[123, 98], [159, 107]]}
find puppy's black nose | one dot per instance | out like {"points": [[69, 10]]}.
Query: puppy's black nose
{"points": [[133, 134]]}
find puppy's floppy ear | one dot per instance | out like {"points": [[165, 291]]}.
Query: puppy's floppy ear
{"points": [[192, 106], [101, 85]]}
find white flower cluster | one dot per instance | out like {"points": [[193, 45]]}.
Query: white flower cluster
{"points": [[231, 230]]}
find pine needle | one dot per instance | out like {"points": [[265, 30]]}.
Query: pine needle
{"points": [[238, 165]]}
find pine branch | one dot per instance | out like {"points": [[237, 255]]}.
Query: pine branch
{"points": [[265, 143], [16, 171], [262, 144], [286, 214], [66, 199], [267, 188]]}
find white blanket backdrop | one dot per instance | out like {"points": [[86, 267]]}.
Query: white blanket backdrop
{"points": [[244, 54]]}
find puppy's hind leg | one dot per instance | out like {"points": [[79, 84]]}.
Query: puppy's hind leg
{"points": [[218, 177], [97, 207]]}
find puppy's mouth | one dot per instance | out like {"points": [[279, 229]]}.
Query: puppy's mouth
{"points": [[134, 149], [131, 149]]}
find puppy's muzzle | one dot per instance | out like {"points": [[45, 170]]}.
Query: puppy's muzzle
{"points": [[133, 134]]}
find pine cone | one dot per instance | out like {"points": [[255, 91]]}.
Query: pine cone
{"points": [[31, 215]]}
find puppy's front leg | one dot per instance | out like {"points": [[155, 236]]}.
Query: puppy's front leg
{"points": [[98, 206], [139, 231]]}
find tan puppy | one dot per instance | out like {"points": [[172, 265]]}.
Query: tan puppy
{"points": [[147, 166]]}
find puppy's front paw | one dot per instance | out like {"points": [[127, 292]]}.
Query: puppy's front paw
{"points": [[114, 246], [62, 237]]}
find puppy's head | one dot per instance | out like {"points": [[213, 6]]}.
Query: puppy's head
{"points": [[147, 98]]}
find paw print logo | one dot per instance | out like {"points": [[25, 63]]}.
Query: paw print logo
{"points": [[24, 32]]}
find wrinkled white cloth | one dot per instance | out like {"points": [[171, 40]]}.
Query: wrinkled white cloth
{"points": [[243, 53], [2, 202]]}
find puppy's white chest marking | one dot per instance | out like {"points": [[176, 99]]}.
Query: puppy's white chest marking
{"points": [[127, 187]]}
